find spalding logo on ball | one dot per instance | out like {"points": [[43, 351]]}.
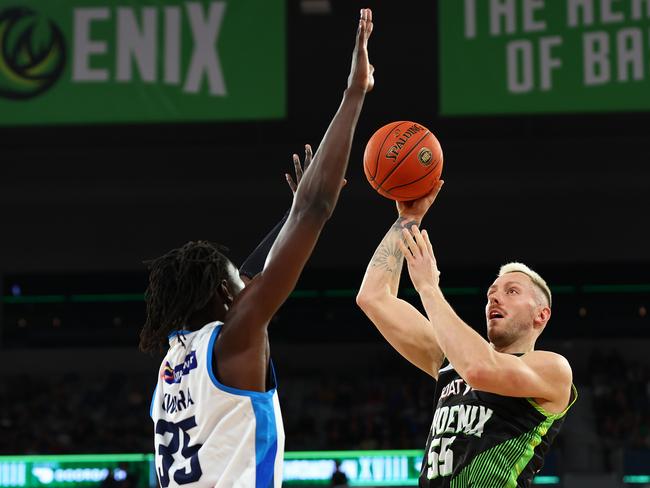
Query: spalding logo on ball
{"points": [[403, 160]]}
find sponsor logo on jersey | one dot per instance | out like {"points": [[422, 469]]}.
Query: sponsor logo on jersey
{"points": [[457, 419], [174, 374], [455, 387]]}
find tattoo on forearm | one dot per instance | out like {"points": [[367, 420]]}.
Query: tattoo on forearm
{"points": [[403, 223], [388, 255]]}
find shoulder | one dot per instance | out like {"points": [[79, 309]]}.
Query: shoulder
{"points": [[206, 334], [549, 364], [555, 376]]}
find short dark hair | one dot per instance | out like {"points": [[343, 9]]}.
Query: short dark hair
{"points": [[181, 282]]}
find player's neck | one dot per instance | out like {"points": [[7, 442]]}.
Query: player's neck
{"points": [[518, 347], [204, 316]]}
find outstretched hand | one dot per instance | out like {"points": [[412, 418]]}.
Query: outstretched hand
{"points": [[361, 72], [300, 168], [416, 209], [421, 262]]}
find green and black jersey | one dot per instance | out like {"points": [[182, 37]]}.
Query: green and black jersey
{"points": [[483, 440]]}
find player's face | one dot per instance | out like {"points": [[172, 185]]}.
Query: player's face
{"points": [[510, 310]]}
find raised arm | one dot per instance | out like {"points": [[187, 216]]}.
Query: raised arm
{"points": [[318, 192], [541, 375], [255, 262], [313, 204], [401, 324]]}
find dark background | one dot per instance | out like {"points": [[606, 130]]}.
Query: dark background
{"points": [[548, 190]]}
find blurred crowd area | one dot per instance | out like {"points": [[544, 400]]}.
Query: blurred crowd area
{"points": [[621, 400], [73, 413], [376, 412]]}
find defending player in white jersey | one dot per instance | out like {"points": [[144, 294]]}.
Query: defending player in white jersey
{"points": [[216, 414]]}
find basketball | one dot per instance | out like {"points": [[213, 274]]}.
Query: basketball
{"points": [[403, 161]]}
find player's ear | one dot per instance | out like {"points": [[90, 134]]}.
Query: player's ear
{"points": [[224, 293], [542, 315]]}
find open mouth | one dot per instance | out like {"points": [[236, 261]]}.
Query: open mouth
{"points": [[495, 314]]}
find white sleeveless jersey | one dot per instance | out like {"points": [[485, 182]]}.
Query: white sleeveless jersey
{"points": [[207, 434]]}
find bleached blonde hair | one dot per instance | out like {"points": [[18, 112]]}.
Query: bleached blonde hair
{"points": [[537, 280]]}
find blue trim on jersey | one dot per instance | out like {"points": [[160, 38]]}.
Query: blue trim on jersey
{"points": [[261, 395], [266, 431], [175, 333], [266, 442], [153, 398]]}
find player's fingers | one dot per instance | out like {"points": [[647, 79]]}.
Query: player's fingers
{"points": [[297, 167], [308, 156], [431, 196], [437, 187], [430, 250], [419, 240], [417, 235], [291, 183], [365, 23], [410, 242], [361, 38], [360, 29], [405, 250], [366, 16], [425, 234]]}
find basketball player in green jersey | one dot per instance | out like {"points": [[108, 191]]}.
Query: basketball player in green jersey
{"points": [[498, 405]]}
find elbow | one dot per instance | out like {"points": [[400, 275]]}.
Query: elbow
{"points": [[322, 208], [315, 198], [363, 300], [478, 376], [471, 376], [367, 300], [315, 207]]}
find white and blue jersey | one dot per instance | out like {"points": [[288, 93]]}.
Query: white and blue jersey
{"points": [[207, 434]]}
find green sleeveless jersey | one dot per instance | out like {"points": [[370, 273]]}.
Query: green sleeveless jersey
{"points": [[483, 440]]}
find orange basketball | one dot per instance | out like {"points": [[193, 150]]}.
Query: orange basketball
{"points": [[403, 160]]}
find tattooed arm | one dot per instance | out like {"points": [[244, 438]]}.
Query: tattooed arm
{"points": [[401, 324]]}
